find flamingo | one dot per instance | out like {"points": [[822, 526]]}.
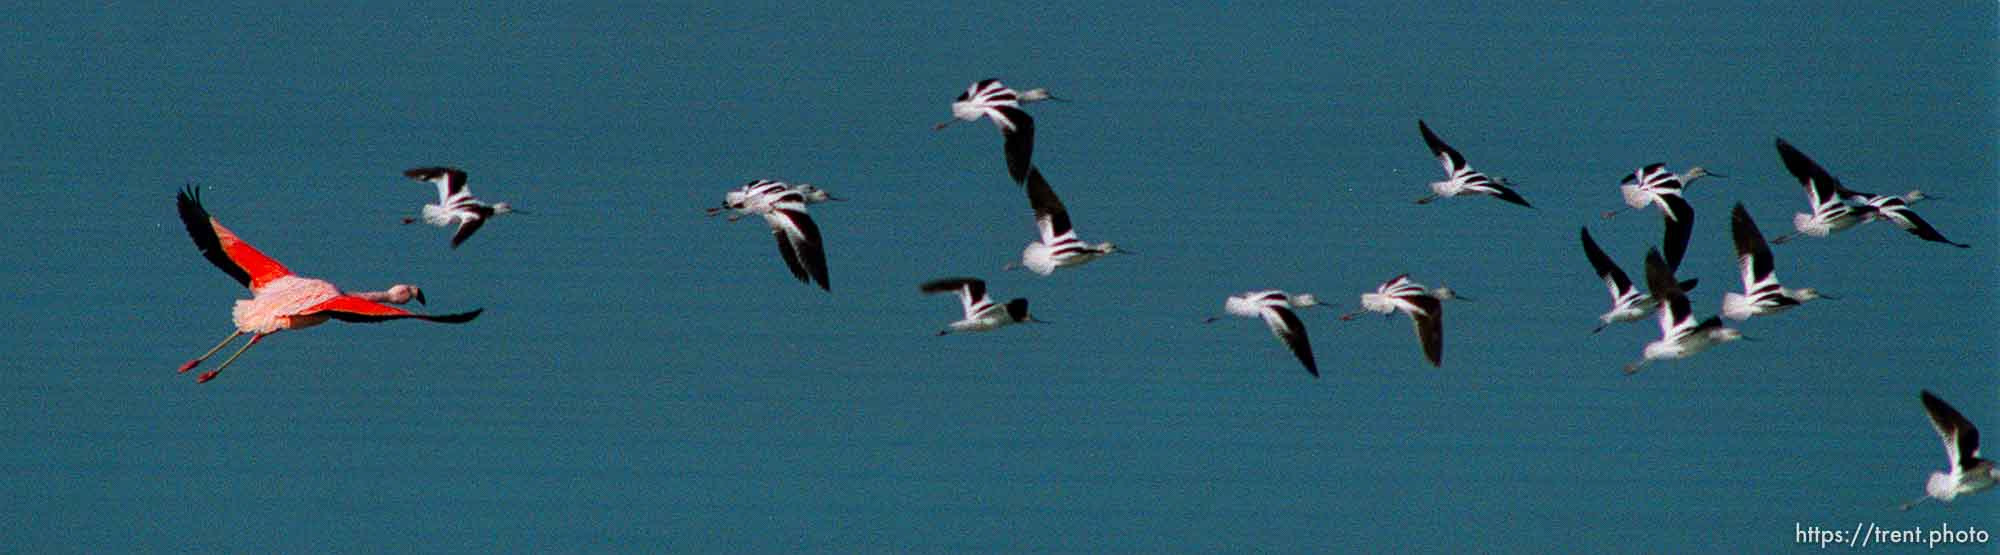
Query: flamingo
{"points": [[281, 300]]}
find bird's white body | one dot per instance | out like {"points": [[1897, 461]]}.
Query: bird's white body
{"points": [[1059, 246], [981, 313], [1762, 294], [1829, 213], [1945, 486], [1044, 259], [1681, 336], [1425, 307], [1274, 307], [456, 205], [1460, 178], [990, 99], [1628, 303], [783, 207], [1966, 473]]}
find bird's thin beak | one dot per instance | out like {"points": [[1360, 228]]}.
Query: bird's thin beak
{"points": [[1713, 174], [1746, 338], [1211, 319], [1427, 200], [1038, 320], [835, 199], [1828, 297], [1461, 297], [519, 211], [420, 298]]}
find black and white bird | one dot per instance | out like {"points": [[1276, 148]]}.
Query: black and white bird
{"points": [[1680, 335], [1058, 247], [798, 238], [1762, 294], [1460, 178], [1967, 472], [745, 200], [1897, 209], [1424, 306], [992, 100], [1275, 307], [1627, 302], [980, 312], [455, 206], [1829, 212], [1654, 185], [1638, 187]]}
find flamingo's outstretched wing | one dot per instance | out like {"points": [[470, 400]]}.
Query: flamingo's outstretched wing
{"points": [[347, 308], [221, 247]]}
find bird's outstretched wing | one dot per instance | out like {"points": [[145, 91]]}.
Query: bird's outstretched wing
{"points": [[222, 248], [348, 308]]}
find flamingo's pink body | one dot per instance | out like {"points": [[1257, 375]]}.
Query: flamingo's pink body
{"points": [[279, 299]]}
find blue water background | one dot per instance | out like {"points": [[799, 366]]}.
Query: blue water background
{"points": [[648, 379]]}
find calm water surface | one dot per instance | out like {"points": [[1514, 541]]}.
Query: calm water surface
{"points": [[648, 379]]}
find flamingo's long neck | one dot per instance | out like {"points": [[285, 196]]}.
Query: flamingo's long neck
{"points": [[395, 295]]}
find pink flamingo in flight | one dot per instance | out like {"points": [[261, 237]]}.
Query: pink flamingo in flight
{"points": [[281, 300]]}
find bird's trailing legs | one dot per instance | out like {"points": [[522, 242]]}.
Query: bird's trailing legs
{"points": [[210, 375], [1427, 199], [211, 352]]}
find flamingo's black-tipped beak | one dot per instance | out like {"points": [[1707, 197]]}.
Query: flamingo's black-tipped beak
{"points": [[420, 298]]}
